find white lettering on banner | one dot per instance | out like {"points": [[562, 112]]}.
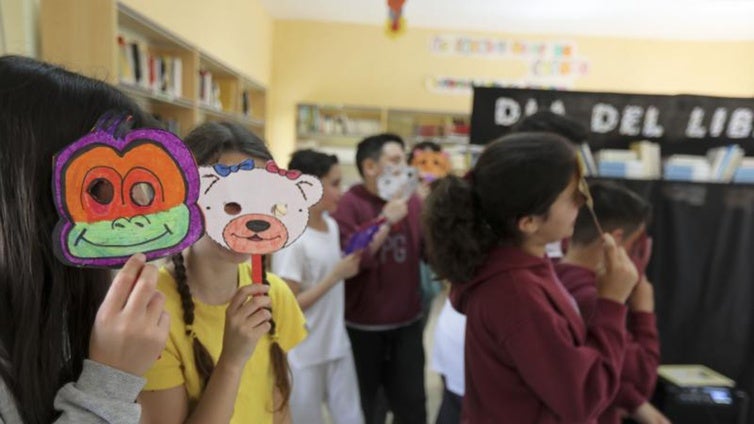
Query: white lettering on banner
{"points": [[604, 118], [629, 124], [717, 125], [694, 129], [531, 107], [651, 128], [740, 123], [507, 111], [396, 245], [558, 107]]}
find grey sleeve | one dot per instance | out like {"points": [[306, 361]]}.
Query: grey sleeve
{"points": [[101, 395]]}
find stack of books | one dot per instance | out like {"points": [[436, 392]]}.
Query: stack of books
{"points": [[155, 72]]}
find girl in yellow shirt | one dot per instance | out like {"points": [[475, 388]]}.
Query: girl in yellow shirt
{"points": [[225, 357]]}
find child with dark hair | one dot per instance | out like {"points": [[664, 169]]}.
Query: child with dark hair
{"points": [[73, 347], [548, 121], [529, 355], [625, 216], [383, 309], [322, 365], [225, 360]]}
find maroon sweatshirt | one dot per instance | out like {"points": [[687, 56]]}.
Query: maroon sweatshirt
{"points": [[639, 373], [529, 356], [386, 289]]}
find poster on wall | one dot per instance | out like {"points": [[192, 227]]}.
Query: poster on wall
{"points": [[547, 64], [681, 123]]}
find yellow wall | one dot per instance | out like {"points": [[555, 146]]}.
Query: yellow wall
{"points": [[359, 65], [236, 32]]}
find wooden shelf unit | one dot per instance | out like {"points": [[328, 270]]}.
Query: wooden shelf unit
{"points": [[337, 129], [84, 35]]}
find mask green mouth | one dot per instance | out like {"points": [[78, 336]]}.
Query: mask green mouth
{"points": [[119, 238]]}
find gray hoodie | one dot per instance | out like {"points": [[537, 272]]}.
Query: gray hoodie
{"points": [[101, 395]]}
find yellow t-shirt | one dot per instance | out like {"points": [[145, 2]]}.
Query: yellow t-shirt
{"points": [[176, 364]]}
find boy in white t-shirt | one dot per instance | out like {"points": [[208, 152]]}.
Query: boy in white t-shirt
{"points": [[322, 365]]}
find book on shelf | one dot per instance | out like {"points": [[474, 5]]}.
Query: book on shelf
{"points": [[720, 164], [588, 159], [745, 171], [641, 161], [246, 103], [209, 90], [724, 161], [687, 168], [157, 73]]}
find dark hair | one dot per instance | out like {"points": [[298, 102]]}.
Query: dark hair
{"points": [[312, 162], [616, 207], [47, 309], [208, 141], [516, 176], [371, 148], [424, 145], [548, 121]]}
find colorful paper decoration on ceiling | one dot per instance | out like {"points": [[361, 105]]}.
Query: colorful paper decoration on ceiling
{"points": [[253, 210], [120, 191], [396, 24]]}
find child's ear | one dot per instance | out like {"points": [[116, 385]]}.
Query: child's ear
{"points": [[618, 236], [528, 225], [370, 168]]}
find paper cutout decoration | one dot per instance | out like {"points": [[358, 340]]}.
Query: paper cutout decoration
{"points": [[363, 236], [119, 192], [397, 182], [256, 211], [430, 164], [396, 24]]}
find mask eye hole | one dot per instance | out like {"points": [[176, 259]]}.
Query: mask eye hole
{"points": [[101, 191], [232, 208], [142, 194]]}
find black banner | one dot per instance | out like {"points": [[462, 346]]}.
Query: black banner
{"points": [[681, 124]]}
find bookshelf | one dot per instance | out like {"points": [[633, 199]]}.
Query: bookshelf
{"points": [[167, 76], [337, 129]]}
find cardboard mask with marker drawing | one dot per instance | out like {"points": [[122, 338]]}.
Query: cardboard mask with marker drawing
{"points": [[431, 165], [121, 192], [253, 210], [397, 182]]}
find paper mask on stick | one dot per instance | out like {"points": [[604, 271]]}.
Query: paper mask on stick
{"points": [[397, 181], [121, 192], [431, 165], [256, 211]]}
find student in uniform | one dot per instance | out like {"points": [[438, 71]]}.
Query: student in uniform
{"points": [[529, 356], [625, 216]]}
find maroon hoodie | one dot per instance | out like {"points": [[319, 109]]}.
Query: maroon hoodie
{"points": [[529, 356], [386, 289], [642, 357]]}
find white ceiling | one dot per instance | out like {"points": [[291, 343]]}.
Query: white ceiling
{"points": [[669, 19]]}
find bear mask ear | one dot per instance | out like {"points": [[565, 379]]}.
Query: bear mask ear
{"points": [[311, 188]]}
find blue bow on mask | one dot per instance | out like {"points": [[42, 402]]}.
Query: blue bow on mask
{"points": [[224, 170]]}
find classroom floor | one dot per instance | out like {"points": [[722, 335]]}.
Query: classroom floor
{"points": [[432, 380]]}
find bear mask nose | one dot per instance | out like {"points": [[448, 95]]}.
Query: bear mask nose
{"points": [[257, 225]]}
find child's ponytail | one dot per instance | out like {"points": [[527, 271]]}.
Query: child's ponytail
{"points": [[457, 238]]}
